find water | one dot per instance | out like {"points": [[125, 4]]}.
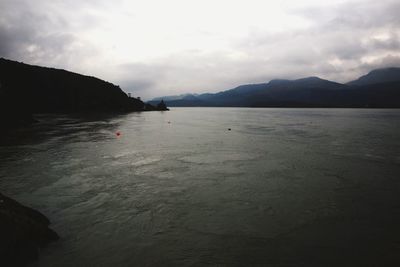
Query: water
{"points": [[283, 187]]}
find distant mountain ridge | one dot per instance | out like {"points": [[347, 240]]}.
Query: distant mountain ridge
{"points": [[175, 97], [379, 88], [378, 76]]}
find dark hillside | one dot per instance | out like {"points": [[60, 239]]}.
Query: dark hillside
{"points": [[27, 89]]}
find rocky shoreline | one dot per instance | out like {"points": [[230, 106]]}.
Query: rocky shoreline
{"points": [[23, 232]]}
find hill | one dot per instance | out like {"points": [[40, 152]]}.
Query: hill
{"points": [[381, 91], [378, 76], [27, 89]]}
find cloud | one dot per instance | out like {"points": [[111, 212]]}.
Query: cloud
{"points": [[153, 48], [31, 34], [341, 41]]}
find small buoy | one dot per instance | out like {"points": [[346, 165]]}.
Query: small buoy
{"points": [[169, 122], [229, 129], [118, 134]]}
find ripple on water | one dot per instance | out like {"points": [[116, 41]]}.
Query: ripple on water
{"points": [[145, 161], [218, 157], [190, 194]]}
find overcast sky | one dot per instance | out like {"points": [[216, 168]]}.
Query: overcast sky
{"points": [[158, 47]]}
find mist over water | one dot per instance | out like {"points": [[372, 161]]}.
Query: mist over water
{"points": [[283, 187]]}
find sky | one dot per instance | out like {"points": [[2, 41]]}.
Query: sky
{"points": [[155, 48]]}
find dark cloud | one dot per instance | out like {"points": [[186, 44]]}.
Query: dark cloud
{"points": [[385, 62], [30, 32], [345, 41], [392, 43], [353, 15]]}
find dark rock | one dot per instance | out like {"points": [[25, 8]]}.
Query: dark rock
{"points": [[23, 232], [162, 106]]}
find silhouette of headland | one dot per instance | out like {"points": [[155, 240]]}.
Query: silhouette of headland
{"points": [[27, 89]]}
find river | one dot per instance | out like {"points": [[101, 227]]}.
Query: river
{"points": [[213, 186]]}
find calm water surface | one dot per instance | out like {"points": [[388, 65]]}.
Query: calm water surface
{"points": [[283, 187]]}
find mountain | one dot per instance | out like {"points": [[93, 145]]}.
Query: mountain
{"points": [[306, 92], [174, 97], [378, 76], [27, 89]]}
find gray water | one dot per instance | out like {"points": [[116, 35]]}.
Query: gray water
{"points": [[283, 187]]}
